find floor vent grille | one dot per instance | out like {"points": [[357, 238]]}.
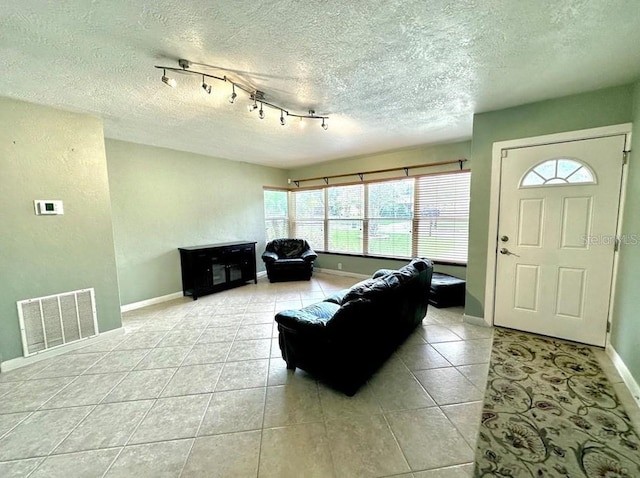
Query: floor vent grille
{"points": [[56, 320]]}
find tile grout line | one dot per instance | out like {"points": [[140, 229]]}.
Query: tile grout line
{"points": [[206, 409], [126, 375], [50, 453], [87, 415], [395, 439], [269, 360], [264, 404], [154, 400]]}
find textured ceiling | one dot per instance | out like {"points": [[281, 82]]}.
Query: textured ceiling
{"points": [[389, 73]]}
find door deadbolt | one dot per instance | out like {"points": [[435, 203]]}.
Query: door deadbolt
{"points": [[504, 238]]}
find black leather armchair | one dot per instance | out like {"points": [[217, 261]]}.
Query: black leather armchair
{"points": [[288, 259]]}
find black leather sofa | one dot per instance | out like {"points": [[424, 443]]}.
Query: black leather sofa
{"points": [[288, 259], [346, 337]]}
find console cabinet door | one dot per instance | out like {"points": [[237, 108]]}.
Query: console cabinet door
{"points": [[248, 263]]}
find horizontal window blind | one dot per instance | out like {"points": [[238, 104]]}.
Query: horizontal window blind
{"points": [[345, 218], [308, 217], [419, 216], [441, 216], [276, 214], [389, 213]]}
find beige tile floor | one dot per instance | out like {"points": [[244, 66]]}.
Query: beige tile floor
{"points": [[198, 388]]}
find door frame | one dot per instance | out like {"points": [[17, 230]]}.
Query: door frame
{"points": [[494, 200]]}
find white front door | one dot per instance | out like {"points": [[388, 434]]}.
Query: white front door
{"points": [[556, 238]]}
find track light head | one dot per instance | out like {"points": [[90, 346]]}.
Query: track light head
{"points": [[205, 87], [168, 81], [261, 112], [232, 98], [324, 125], [282, 121], [252, 107]]}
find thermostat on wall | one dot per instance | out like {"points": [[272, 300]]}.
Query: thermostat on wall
{"points": [[48, 207]]}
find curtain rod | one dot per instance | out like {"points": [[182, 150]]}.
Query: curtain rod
{"points": [[361, 175]]}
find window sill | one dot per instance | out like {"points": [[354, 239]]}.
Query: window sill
{"points": [[404, 259]]}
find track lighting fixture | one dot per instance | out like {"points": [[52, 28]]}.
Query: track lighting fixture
{"points": [[206, 87], [255, 95], [168, 81]]}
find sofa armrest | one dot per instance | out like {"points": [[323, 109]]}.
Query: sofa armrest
{"points": [[268, 256], [309, 255], [309, 319]]}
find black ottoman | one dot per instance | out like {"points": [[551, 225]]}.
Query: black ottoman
{"points": [[446, 290]]}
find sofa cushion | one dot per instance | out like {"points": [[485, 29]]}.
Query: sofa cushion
{"points": [[288, 248], [385, 283], [382, 272], [410, 271], [369, 289], [290, 261], [352, 318], [309, 318]]}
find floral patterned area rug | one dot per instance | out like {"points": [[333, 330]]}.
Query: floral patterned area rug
{"points": [[549, 411]]}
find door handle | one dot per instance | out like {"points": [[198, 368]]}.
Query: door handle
{"points": [[507, 252]]}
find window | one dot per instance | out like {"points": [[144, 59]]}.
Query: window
{"points": [[441, 216], [276, 214], [390, 211], [558, 171], [308, 217], [420, 216], [345, 218]]}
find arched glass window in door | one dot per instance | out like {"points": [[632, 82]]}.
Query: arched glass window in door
{"points": [[561, 171]]}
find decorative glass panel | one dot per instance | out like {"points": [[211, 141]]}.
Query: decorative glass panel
{"points": [[560, 171]]}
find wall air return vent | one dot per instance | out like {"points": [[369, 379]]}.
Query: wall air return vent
{"points": [[56, 320]]}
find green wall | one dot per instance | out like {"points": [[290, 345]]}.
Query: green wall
{"points": [[385, 160], [368, 265], [588, 110], [625, 328], [164, 199], [51, 154]]}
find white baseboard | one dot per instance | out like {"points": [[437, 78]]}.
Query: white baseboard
{"points": [[342, 273], [153, 301], [622, 369], [18, 362], [470, 319]]}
